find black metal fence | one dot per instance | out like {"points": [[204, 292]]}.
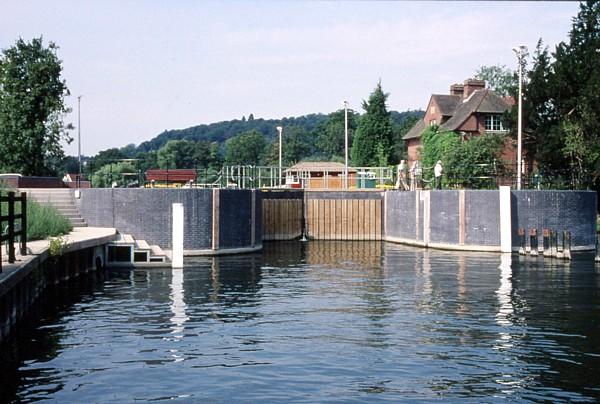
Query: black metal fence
{"points": [[13, 230]]}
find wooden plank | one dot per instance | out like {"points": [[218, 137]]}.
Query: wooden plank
{"points": [[311, 213], [265, 219], [378, 220], [343, 220], [331, 219], [297, 217], [372, 220], [338, 219], [268, 216], [353, 209]]}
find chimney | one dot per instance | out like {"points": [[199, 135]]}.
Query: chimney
{"points": [[456, 89], [472, 85]]}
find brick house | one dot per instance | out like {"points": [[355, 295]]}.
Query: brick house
{"points": [[470, 109]]}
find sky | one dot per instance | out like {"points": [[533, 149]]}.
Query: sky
{"points": [[143, 67]]}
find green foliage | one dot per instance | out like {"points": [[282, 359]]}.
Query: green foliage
{"points": [[43, 221], [220, 132], [438, 146], [181, 154], [562, 99], [373, 139], [31, 108], [57, 246], [402, 122], [330, 134], [122, 173], [245, 149], [465, 163], [499, 78], [103, 158]]}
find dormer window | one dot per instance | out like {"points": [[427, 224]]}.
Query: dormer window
{"points": [[493, 123]]}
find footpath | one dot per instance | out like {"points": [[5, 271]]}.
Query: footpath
{"points": [[37, 252]]}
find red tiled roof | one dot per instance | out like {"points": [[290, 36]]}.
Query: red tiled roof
{"points": [[177, 175]]}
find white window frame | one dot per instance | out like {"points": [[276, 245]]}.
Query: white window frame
{"points": [[493, 123]]}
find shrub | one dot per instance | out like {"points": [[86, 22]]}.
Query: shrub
{"points": [[42, 221], [45, 221]]}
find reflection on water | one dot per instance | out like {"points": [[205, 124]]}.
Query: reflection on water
{"points": [[318, 321]]}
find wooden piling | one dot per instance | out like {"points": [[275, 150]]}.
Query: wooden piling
{"points": [[554, 244], [566, 244], [533, 242], [521, 241], [546, 242], [597, 250]]}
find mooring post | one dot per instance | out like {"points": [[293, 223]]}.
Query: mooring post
{"points": [[11, 227], [566, 244], [177, 255], [23, 249], [533, 242], [546, 242], [560, 252], [521, 241], [597, 251], [553, 246]]}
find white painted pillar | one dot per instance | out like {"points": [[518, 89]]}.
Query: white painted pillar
{"points": [[505, 220], [177, 256]]}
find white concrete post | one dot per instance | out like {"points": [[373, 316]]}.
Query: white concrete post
{"points": [[177, 256], [505, 220]]}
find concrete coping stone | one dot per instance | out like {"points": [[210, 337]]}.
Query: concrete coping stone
{"points": [[78, 239]]}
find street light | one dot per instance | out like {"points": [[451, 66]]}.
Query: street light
{"points": [[346, 144], [279, 129], [521, 52], [79, 138]]}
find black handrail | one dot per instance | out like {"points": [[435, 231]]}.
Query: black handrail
{"points": [[12, 231]]}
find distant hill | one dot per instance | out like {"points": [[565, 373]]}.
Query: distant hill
{"points": [[221, 131]]}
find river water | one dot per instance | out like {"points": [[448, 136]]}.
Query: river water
{"points": [[318, 321]]}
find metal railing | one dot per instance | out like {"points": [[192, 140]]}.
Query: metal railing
{"points": [[13, 230], [493, 175]]}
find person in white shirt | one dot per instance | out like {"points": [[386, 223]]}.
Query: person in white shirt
{"points": [[437, 171], [401, 181]]}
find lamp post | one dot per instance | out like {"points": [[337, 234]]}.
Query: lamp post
{"points": [[280, 130], [521, 52], [346, 144], [79, 139]]}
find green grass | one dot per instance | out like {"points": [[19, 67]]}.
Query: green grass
{"points": [[42, 221]]}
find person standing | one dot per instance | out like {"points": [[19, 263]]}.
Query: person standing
{"points": [[412, 175], [437, 172], [401, 181]]}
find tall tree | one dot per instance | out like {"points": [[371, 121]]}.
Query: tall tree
{"points": [[177, 154], [297, 144], [562, 98], [499, 78], [330, 135], [32, 107], [245, 149], [373, 139]]}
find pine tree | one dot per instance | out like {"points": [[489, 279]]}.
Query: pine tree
{"points": [[373, 139]]}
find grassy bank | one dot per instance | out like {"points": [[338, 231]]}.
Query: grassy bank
{"points": [[42, 221]]}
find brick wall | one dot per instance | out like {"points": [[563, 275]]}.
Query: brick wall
{"points": [[146, 214], [559, 210]]}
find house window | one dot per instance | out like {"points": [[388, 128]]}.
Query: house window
{"points": [[493, 123], [433, 122]]}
